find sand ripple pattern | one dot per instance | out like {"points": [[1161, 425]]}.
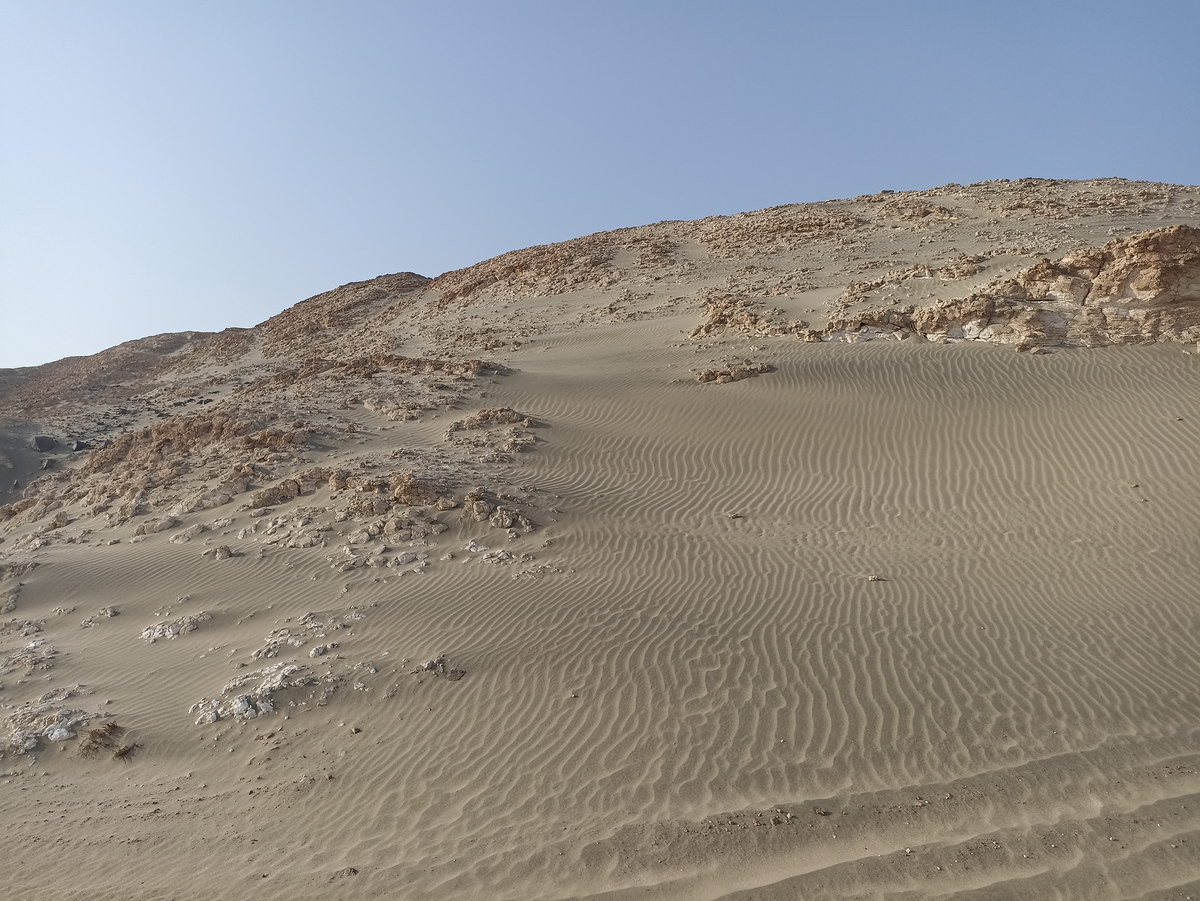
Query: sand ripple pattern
{"points": [[1013, 697]]}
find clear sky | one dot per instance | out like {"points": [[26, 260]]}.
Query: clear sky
{"points": [[167, 166]]}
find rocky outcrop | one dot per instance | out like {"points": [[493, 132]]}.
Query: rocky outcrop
{"points": [[275, 494], [176, 627], [154, 526], [482, 506], [747, 316], [218, 495], [46, 719], [485, 419], [733, 373], [252, 694], [1136, 290]]}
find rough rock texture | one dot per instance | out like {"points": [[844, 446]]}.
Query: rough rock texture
{"points": [[175, 627], [252, 694], [1136, 290], [770, 231], [726, 312], [732, 373], [44, 719], [310, 627]]}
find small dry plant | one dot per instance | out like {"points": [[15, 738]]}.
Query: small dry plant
{"points": [[104, 738], [125, 752]]}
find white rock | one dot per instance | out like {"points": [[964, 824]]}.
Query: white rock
{"points": [[175, 628]]}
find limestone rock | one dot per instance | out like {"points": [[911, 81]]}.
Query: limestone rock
{"points": [[733, 373], [183, 536], [276, 494], [252, 695], [1137, 290], [728, 312], [154, 526], [175, 628]]}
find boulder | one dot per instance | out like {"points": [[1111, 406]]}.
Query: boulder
{"points": [[44, 443]]}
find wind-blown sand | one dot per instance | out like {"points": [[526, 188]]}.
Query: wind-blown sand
{"points": [[890, 619]]}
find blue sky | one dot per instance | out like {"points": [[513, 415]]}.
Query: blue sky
{"points": [[168, 166]]}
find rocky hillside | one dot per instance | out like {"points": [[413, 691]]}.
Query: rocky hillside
{"points": [[174, 425]]}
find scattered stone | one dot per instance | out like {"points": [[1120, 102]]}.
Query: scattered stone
{"points": [[311, 626], [94, 619], [733, 373], [439, 666]]}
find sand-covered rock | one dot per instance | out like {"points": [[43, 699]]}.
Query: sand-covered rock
{"points": [[252, 694], [733, 372], [46, 719], [176, 627]]}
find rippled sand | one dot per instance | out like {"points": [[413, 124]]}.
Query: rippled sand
{"points": [[896, 620]]}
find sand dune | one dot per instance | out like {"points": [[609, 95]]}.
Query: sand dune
{"points": [[893, 619]]}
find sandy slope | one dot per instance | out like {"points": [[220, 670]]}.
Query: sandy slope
{"points": [[893, 620]]}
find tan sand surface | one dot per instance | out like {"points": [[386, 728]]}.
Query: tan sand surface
{"points": [[894, 618]]}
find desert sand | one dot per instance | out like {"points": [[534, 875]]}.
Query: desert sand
{"points": [[837, 550]]}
